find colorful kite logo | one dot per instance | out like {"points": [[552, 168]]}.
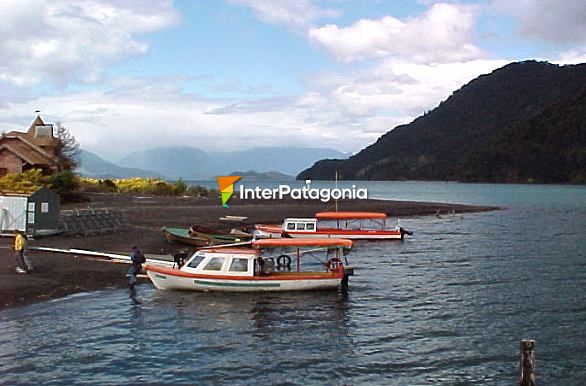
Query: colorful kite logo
{"points": [[226, 184]]}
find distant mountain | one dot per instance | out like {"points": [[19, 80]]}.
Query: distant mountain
{"points": [[173, 162], [520, 111], [92, 165], [287, 160], [252, 176], [194, 164]]}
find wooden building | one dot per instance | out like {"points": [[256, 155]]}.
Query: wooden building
{"points": [[33, 149], [35, 213]]}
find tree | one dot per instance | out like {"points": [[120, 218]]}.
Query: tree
{"points": [[67, 148], [64, 183]]}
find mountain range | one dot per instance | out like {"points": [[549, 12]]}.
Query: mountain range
{"points": [[524, 122], [191, 163], [92, 165]]}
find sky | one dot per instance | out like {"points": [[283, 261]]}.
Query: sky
{"points": [[127, 75]]}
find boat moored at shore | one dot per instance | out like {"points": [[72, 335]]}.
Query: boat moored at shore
{"points": [[348, 225], [268, 265], [198, 236]]}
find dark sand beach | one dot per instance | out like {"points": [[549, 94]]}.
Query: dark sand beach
{"points": [[58, 275]]}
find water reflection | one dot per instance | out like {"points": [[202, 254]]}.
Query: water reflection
{"points": [[132, 293], [272, 313], [262, 335]]}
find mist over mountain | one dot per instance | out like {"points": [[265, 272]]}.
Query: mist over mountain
{"points": [[188, 163], [252, 176], [506, 126], [92, 165]]}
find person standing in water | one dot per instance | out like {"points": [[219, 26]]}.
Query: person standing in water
{"points": [[137, 258]]}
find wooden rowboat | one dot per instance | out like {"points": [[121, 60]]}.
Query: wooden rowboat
{"points": [[201, 239]]}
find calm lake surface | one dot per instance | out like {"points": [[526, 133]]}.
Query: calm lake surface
{"points": [[448, 306]]}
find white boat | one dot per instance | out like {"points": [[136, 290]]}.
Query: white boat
{"points": [[262, 267], [347, 225]]}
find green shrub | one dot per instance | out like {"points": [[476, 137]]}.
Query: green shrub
{"points": [[197, 191], [180, 187], [64, 182]]}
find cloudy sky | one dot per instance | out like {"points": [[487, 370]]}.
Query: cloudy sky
{"points": [[232, 74]]}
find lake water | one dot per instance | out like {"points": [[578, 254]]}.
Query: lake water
{"points": [[448, 306]]}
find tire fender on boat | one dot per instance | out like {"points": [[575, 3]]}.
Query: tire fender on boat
{"points": [[333, 264], [284, 261]]}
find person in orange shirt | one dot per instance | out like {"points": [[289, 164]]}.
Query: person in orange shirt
{"points": [[19, 248]]}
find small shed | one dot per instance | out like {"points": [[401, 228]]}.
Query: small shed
{"points": [[35, 213]]}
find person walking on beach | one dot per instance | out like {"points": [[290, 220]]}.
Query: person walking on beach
{"points": [[137, 258], [19, 248]]}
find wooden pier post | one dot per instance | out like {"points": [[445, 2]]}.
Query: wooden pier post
{"points": [[527, 363]]}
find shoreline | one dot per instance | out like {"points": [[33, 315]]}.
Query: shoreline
{"points": [[58, 275]]}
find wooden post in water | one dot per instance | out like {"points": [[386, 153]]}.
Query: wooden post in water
{"points": [[527, 363]]}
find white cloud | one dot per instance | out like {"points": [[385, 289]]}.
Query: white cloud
{"points": [[549, 20], [443, 34], [345, 110], [296, 13], [576, 56], [389, 93], [62, 42]]}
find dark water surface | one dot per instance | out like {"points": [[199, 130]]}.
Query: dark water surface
{"points": [[448, 306]]}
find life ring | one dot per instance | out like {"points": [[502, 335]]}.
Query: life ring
{"points": [[333, 264], [284, 261]]}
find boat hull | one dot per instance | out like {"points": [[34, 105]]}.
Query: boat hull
{"points": [[172, 235], [198, 239], [174, 279]]}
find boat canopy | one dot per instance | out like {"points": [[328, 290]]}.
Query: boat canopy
{"points": [[298, 243], [350, 215]]}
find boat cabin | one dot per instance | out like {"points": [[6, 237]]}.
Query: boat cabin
{"points": [[352, 220], [257, 262], [226, 262], [336, 220], [300, 224]]}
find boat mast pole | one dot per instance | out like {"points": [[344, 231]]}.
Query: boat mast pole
{"points": [[336, 200], [336, 186]]}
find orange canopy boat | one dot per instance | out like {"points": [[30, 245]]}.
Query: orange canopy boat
{"points": [[348, 225], [267, 266]]}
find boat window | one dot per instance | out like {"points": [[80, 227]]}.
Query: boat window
{"points": [[301, 226], [239, 265], [310, 226], [215, 264], [290, 226], [195, 261]]}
